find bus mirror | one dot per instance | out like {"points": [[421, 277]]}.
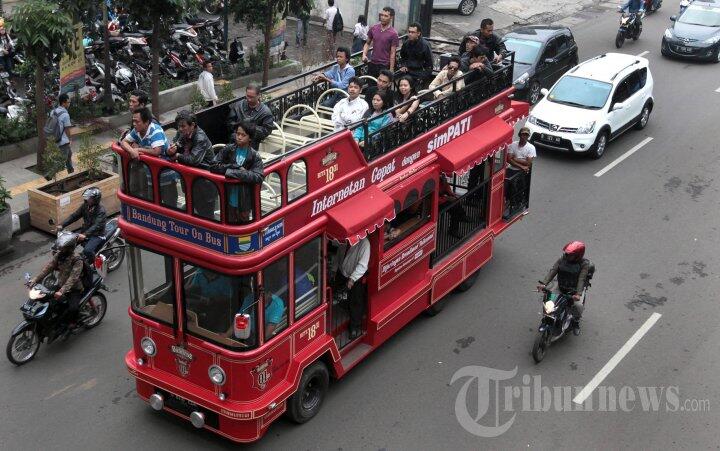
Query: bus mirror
{"points": [[241, 326]]}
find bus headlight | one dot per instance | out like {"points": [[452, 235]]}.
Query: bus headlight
{"points": [[148, 346], [217, 375]]}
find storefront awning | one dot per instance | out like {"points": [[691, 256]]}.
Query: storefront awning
{"points": [[462, 154], [362, 214]]}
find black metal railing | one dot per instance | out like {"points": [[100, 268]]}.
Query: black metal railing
{"points": [[517, 194], [461, 218], [434, 113]]}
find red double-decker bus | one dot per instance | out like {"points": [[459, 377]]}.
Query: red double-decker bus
{"points": [[235, 317]]}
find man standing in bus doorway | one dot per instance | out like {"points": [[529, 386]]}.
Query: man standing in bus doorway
{"points": [[520, 156], [350, 278]]}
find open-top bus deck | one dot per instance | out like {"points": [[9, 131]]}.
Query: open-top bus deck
{"points": [[233, 316]]}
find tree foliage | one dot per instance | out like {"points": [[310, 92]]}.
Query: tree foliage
{"points": [[43, 30]]}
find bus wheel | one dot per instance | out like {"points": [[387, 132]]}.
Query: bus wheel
{"points": [[467, 283], [305, 403], [436, 307]]}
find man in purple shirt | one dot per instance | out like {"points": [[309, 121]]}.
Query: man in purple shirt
{"points": [[384, 40]]}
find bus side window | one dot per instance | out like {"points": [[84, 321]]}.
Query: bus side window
{"points": [[499, 160], [271, 193], [297, 180], [307, 281], [415, 213], [205, 199], [140, 182], [172, 189], [275, 307], [152, 286]]}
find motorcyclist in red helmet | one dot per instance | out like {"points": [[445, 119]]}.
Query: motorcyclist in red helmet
{"points": [[572, 271]]}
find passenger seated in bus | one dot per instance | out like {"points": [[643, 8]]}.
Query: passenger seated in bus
{"points": [[452, 72], [338, 76], [384, 84], [275, 311], [240, 161], [470, 43], [406, 92], [251, 109], [377, 118], [479, 66], [191, 147], [206, 294], [351, 108]]}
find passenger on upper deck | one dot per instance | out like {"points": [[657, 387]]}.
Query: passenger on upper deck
{"points": [[351, 108], [376, 117], [478, 60], [240, 161], [338, 76], [251, 109], [406, 92], [452, 72], [495, 49], [146, 136], [192, 147], [384, 84], [384, 40], [416, 56]]}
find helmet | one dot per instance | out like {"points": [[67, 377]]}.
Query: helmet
{"points": [[65, 242], [574, 250], [92, 195]]}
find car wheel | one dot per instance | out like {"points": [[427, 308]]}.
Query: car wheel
{"points": [[598, 148], [534, 93], [717, 56], [467, 7], [644, 117]]}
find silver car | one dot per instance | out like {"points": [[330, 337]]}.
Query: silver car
{"points": [[464, 7]]}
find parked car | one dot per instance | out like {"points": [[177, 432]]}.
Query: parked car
{"points": [[464, 7], [593, 104], [542, 55], [695, 33]]}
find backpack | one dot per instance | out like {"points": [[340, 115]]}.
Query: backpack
{"points": [[52, 128], [337, 25]]}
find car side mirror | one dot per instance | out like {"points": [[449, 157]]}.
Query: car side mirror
{"points": [[544, 91], [618, 106], [242, 326], [673, 18]]}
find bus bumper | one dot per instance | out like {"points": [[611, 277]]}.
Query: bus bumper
{"points": [[163, 393]]}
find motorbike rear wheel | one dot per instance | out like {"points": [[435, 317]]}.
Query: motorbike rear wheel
{"points": [[93, 311], [23, 346], [542, 341], [619, 39], [212, 7], [115, 256]]}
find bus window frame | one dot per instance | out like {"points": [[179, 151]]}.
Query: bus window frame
{"points": [[133, 287], [319, 287], [192, 199], [153, 185], [287, 180], [283, 192], [388, 246], [184, 185]]}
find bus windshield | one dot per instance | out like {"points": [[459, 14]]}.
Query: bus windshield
{"points": [[211, 302]]}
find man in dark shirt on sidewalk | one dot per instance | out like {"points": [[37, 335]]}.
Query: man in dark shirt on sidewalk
{"points": [[416, 56]]}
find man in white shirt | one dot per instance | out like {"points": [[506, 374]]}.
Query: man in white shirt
{"points": [[349, 109], [206, 84], [349, 277], [329, 17], [520, 156], [520, 153]]}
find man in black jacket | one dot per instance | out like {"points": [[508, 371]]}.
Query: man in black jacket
{"points": [[241, 162], [416, 56], [251, 109], [92, 232], [494, 48], [192, 147]]}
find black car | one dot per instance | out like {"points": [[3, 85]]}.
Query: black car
{"points": [[542, 55], [695, 33]]}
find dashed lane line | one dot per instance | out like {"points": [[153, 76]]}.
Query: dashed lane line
{"points": [[622, 157], [643, 53]]}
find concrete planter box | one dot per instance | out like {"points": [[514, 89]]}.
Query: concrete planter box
{"points": [[58, 200], [5, 230]]}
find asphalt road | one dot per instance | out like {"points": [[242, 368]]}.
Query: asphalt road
{"points": [[651, 228]]}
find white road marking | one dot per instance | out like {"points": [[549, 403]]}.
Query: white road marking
{"points": [[643, 53], [623, 157], [717, 90], [602, 374]]}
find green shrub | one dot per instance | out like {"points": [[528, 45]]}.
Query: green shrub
{"points": [[89, 156], [4, 195], [226, 93], [53, 160]]}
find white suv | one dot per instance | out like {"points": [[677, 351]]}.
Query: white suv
{"points": [[592, 104]]}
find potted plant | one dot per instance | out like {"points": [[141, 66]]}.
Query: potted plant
{"points": [[63, 195], [5, 218]]}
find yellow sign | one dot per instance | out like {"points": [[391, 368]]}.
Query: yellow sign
{"points": [[72, 67]]}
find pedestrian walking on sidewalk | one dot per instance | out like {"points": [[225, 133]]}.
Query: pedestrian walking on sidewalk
{"points": [[302, 27], [360, 34], [330, 33], [63, 118], [206, 84]]}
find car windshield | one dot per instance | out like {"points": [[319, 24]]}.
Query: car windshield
{"points": [[699, 15], [526, 52], [580, 92]]}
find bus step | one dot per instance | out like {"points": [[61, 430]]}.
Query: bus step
{"points": [[353, 357]]}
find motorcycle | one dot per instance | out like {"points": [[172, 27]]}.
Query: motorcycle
{"points": [[112, 250], [44, 317], [630, 28], [213, 7], [557, 317]]}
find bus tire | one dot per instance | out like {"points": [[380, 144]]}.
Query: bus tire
{"points": [[306, 402], [436, 307], [467, 283]]}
